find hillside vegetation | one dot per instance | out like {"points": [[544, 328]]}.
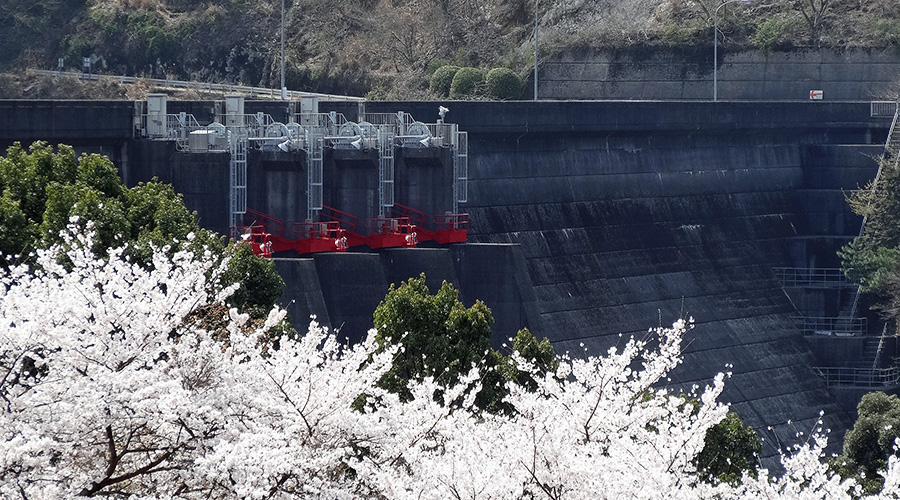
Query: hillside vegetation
{"points": [[390, 48]]}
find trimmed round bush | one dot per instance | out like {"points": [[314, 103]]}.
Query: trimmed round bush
{"points": [[441, 80], [465, 82], [503, 83]]}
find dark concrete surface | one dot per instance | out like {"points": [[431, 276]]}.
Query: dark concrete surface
{"points": [[591, 220]]}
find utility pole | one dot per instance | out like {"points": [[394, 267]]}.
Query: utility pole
{"points": [[716, 47], [535, 50], [283, 88]]}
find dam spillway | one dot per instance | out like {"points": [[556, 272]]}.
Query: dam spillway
{"points": [[590, 219]]}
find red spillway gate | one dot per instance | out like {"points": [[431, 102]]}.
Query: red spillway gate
{"points": [[449, 228], [383, 232], [406, 228], [255, 236], [306, 237], [391, 232], [315, 237]]}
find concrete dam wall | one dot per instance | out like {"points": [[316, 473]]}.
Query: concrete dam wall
{"points": [[632, 215], [595, 219]]}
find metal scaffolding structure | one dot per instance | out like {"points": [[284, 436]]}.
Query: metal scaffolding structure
{"points": [[377, 135]]}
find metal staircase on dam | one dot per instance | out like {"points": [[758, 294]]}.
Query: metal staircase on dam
{"points": [[315, 160], [311, 132], [460, 170], [385, 172], [867, 373]]}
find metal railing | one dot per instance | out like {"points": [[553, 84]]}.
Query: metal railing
{"points": [[403, 124], [170, 126], [882, 109], [397, 120], [841, 327], [202, 86], [182, 128], [187, 133], [257, 125], [859, 377], [328, 122], [811, 278], [880, 346]]}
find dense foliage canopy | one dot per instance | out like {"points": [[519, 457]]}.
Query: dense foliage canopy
{"points": [[872, 260], [871, 441], [43, 187], [730, 450]]}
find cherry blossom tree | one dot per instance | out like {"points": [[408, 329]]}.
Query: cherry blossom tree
{"points": [[109, 387]]}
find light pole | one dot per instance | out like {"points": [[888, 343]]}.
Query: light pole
{"points": [[716, 47], [283, 88], [535, 48]]}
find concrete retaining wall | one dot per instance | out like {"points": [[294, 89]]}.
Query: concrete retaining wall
{"points": [[688, 74]]}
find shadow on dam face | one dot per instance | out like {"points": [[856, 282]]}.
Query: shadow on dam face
{"points": [[595, 219]]}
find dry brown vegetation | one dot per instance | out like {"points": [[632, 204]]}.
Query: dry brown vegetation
{"points": [[390, 47]]}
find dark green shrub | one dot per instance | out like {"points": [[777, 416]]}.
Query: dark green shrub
{"points": [[730, 449], [442, 79], [770, 33], [261, 285], [870, 443], [502, 83], [436, 64], [442, 338], [466, 82], [690, 32]]}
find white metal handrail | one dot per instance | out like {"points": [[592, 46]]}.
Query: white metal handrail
{"points": [[203, 86], [860, 377], [392, 119], [329, 122], [817, 325], [880, 346], [805, 277], [169, 126], [882, 109]]}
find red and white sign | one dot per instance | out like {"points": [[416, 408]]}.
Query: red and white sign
{"points": [[816, 95]]}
